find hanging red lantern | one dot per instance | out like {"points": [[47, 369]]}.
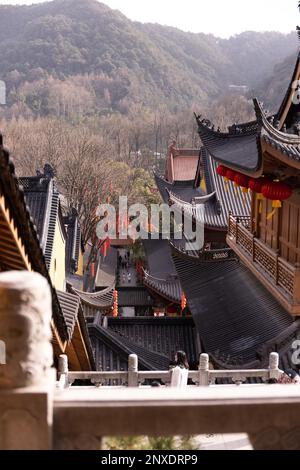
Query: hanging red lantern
{"points": [[116, 307], [230, 174], [256, 186], [242, 181], [276, 191], [222, 170]]}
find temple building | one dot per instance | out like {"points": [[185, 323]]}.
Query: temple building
{"points": [[32, 238], [264, 159], [161, 278], [195, 184]]}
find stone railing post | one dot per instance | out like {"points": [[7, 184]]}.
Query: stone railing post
{"points": [[204, 370], [63, 371], [27, 380], [133, 371], [274, 366]]}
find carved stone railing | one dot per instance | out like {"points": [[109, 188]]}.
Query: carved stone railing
{"points": [[280, 272], [34, 415], [135, 378]]}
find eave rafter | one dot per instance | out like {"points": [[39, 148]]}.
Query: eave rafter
{"points": [[11, 247]]}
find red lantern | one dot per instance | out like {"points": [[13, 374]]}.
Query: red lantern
{"points": [[256, 186], [242, 181], [230, 175], [277, 192], [222, 170]]}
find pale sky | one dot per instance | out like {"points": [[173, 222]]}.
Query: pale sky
{"points": [[220, 17]]}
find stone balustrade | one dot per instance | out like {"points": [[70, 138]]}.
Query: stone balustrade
{"points": [[36, 414], [135, 378]]}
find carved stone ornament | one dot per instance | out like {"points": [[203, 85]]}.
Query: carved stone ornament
{"points": [[25, 316]]}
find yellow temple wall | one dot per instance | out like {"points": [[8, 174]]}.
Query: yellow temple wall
{"points": [[58, 262]]}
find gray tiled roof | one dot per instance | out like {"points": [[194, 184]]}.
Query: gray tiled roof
{"points": [[234, 314], [95, 302], [161, 276], [42, 198], [169, 289], [240, 150], [185, 190], [72, 311], [70, 305], [154, 340], [112, 351], [134, 297], [221, 199], [163, 335]]}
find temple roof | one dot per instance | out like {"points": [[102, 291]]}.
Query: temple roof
{"points": [[234, 314], [154, 340], [185, 190], [169, 289], [70, 305], [42, 198], [241, 147], [238, 148], [113, 349], [161, 276], [219, 201], [288, 144], [181, 164], [134, 297], [95, 302]]}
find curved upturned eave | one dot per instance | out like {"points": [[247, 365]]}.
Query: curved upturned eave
{"points": [[240, 152], [159, 287], [101, 299], [288, 145]]}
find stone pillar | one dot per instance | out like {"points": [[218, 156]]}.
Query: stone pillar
{"points": [[274, 366], [133, 371], [26, 380], [63, 370], [204, 370]]}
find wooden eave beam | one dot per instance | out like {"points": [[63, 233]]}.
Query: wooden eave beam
{"points": [[15, 236], [273, 152]]}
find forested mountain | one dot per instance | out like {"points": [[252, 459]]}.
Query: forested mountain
{"points": [[79, 56]]}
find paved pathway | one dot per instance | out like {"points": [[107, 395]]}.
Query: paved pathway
{"points": [[124, 279]]}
